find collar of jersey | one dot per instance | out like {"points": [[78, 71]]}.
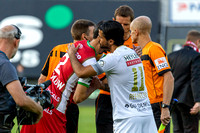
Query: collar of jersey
{"points": [[88, 43], [4, 54]]}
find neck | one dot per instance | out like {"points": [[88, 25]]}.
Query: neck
{"points": [[113, 48], [94, 43], [126, 36], [5, 49], [76, 41], [143, 40]]}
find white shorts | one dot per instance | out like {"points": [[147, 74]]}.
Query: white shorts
{"points": [[140, 124]]}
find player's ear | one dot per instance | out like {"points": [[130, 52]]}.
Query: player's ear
{"points": [[84, 37], [136, 32], [111, 41], [113, 19], [16, 43]]}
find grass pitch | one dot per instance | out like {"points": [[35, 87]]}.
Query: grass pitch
{"points": [[86, 120]]}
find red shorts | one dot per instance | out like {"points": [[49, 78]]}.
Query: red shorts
{"points": [[52, 121]]}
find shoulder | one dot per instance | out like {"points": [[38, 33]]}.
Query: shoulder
{"points": [[61, 47], [4, 60], [155, 48]]}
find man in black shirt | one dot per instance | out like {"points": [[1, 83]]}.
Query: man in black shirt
{"points": [[185, 65]]}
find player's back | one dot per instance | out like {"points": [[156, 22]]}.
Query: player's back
{"points": [[126, 80], [64, 79]]}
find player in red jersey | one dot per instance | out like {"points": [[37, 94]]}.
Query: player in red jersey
{"points": [[82, 29], [64, 82]]}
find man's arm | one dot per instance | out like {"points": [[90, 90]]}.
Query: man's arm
{"points": [[82, 92], [42, 79], [195, 78], [168, 88], [79, 69], [20, 98]]}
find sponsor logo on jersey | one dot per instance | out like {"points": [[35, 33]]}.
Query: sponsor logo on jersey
{"points": [[140, 106], [161, 63], [132, 59], [78, 56], [48, 111], [101, 63], [55, 97], [57, 82], [81, 46], [138, 96]]}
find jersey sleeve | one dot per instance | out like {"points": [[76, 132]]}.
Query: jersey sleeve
{"points": [[86, 81], [45, 68], [160, 60], [105, 64], [8, 73]]}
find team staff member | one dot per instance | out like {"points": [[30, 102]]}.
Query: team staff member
{"points": [[185, 65], [132, 111], [82, 29], [158, 77], [104, 121], [10, 86]]}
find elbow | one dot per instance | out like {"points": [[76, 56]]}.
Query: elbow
{"points": [[77, 100]]}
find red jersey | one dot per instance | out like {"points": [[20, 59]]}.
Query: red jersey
{"points": [[64, 79], [64, 82]]}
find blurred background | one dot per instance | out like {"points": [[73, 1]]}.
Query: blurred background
{"points": [[46, 23]]}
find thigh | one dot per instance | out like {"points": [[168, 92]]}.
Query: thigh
{"points": [[156, 107], [190, 122], [177, 121], [104, 110], [104, 128], [72, 115], [144, 124]]}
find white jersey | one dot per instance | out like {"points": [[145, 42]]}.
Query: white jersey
{"points": [[125, 74]]}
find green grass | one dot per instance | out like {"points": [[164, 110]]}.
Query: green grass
{"points": [[86, 119]]}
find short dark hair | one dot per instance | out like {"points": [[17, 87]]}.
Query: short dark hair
{"points": [[193, 35], [124, 11], [79, 27], [96, 30], [113, 30]]}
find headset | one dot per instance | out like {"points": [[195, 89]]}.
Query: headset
{"points": [[18, 35]]}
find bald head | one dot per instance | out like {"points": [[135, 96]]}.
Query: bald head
{"points": [[9, 40], [143, 24], [8, 32]]}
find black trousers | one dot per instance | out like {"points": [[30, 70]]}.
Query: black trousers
{"points": [[183, 121], [72, 115], [156, 107], [4, 131], [104, 119]]}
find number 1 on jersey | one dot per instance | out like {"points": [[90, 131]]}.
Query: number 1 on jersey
{"points": [[135, 84]]}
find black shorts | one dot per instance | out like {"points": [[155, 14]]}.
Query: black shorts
{"points": [[72, 115], [104, 119]]}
